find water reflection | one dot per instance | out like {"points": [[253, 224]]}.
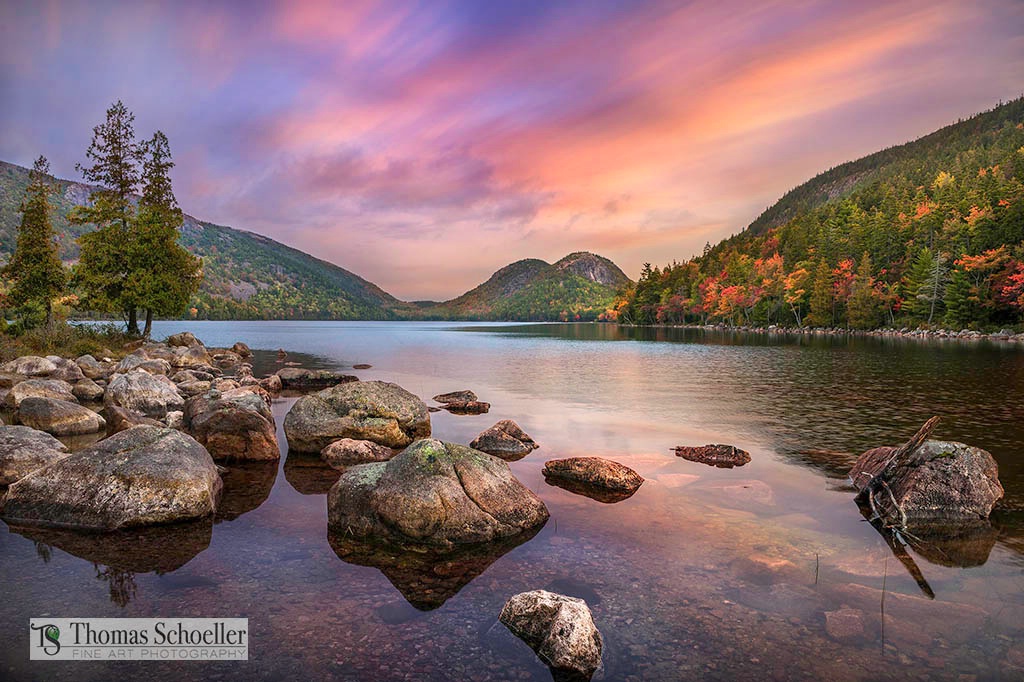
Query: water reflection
{"points": [[310, 475], [247, 485], [427, 578], [118, 556], [594, 493]]}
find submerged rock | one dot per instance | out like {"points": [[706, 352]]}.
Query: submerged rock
{"points": [[24, 449], [559, 629], [505, 440], [142, 476], [234, 425], [721, 456], [378, 411], [152, 395], [605, 478], [927, 481], [348, 452], [299, 379], [59, 417], [433, 494]]}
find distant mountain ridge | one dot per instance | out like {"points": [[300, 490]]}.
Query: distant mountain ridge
{"points": [[250, 276]]}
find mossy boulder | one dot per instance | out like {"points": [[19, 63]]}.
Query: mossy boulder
{"points": [[434, 494], [377, 411]]}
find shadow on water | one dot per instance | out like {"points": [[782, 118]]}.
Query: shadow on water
{"points": [[120, 555], [427, 578]]}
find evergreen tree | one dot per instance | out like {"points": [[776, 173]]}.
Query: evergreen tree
{"points": [[863, 308], [960, 309], [163, 276], [104, 263], [35, 267], [925, 284], [820, 314]]}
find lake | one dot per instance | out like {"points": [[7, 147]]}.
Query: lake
{"points": [[762, 572]]}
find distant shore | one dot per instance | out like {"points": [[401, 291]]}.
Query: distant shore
{"points": [[1006, 335]]}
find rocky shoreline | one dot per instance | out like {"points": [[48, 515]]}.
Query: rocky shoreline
{"points": [[1004, 335]]}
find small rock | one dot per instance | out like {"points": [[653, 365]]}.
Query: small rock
{"points": [[121, 419], [596, 473], [721, 456], [241, 350], [505, 440], [347, 452], [468, 407], [456, 397], [559, 629], [87, 390], [183, 339], [845, 624]]}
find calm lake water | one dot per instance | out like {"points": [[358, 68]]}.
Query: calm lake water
{"points": [[703, 574]]}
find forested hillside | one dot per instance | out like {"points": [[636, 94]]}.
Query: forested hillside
{"points": [[928, 233]]}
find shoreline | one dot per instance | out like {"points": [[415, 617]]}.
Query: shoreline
{"points": [[1005, 335]]}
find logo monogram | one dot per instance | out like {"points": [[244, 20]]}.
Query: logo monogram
{"points": [[49, 638]]}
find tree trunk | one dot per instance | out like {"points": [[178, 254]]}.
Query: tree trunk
{"points": [[133, 321], [149, 323]]}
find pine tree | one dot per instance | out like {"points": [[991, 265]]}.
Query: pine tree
{"points": [[960, 309], [164, 276], [35, 267], [864, 306], [925, 285], [104, 263], [820, 314]]}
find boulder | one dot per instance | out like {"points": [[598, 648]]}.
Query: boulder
{"points": [[23, 450], [456, 397], [271, 384], [159, 351], [926, 482], [66, 370], [175, 419], [121, 419], [191, 356], [347, 452], [721, 456], [433, 494], [185, 339], [39, 388], [600, 475], [156, 366], [87, 390], [7, 379], [187, 375], [233, 425], [142, 476], [299, 379], [505, 440], [191, 388], [382, 412], [59, 417], [226, 360], [559, 629], [241, 350], [93, 368], [225, 384], [30, 366], [131, 361], [152, 395]]}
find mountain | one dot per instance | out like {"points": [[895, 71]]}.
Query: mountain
{"points": [[580, 286], [249, 276], [928, 233]]}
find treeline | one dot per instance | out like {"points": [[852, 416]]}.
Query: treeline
{"points": [[928, 234], [130, 262]]}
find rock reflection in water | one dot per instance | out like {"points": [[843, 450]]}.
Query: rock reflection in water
{"points": [[427, 578], [118, 556], [246, 486], [309, 474], [594, 493]]}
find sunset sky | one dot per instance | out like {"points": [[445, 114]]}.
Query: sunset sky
{"points": [[424, 145]]}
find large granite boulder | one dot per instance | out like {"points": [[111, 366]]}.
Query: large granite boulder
{"points": [[93, 368], [505, 440], [559, 629], [152, 395], [233, 425], [142, 476], [23, 450], [30, 366], [59, 417], [39, 388], [928, 482], [349, 452], [191, 356], [382, 412], [600, 479], [186, 339], [66, 370], [433, 494]]}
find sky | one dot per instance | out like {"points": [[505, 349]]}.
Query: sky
{"points": [[423, 145]]}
